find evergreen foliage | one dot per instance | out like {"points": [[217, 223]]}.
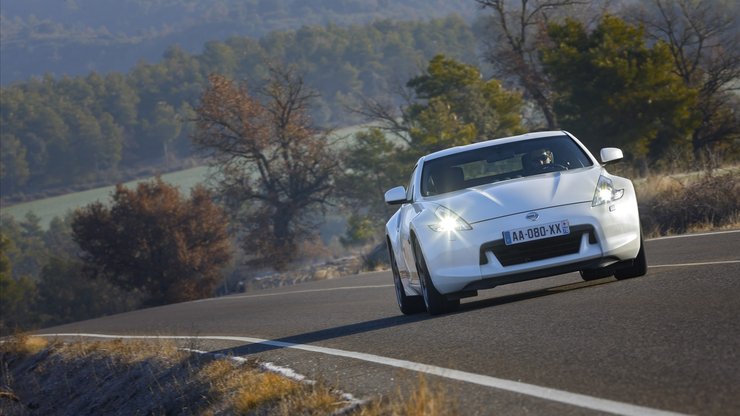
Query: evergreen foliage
{"points": [[613, 89], [49, 285], [450, 105], [75, 130], [78, 36]]}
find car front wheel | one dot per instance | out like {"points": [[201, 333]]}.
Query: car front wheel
{"points": [[636, 268], [436, 303]]}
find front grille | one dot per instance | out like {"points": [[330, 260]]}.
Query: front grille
{"points": [[539, 249]]}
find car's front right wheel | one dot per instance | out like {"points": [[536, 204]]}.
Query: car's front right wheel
{"points": [[435, 302], [408, 304]]}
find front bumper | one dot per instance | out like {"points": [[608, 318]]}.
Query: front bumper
{"points": [[478, 258]]}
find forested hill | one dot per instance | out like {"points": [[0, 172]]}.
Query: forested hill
{"points": [[74, 37], [67, 131]]}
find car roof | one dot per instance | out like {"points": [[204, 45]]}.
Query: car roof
{"points": [[473, 146]]}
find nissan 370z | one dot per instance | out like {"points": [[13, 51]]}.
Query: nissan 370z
{"points": [[509, 210]]}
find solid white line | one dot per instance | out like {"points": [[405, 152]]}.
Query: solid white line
{"points": [[670, 237], [555, 395], [707, 263], [330, 289]]}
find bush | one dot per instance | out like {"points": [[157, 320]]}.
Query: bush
{"points": [[672, 206], [154, 240]]}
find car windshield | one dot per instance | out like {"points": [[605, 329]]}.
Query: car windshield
{"points": [[501, 162]]}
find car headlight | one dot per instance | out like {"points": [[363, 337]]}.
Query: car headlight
{"points": [[605, 192], [448, 221]]}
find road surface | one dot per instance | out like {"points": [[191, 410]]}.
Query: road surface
{"points": [[668, 342]]}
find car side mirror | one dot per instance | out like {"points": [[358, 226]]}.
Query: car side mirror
{"points": [[611, 155], [396, 196]]}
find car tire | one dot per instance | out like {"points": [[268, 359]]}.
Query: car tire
{"points": [[636, 267], [435, 302], [408, 304]]}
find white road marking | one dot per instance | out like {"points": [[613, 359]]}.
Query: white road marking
{"points": [[707, 263], [352, 401], [555, 395]]}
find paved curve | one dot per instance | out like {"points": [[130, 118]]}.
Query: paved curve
{"points": [[669, 341]]}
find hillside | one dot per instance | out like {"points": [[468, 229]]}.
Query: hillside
{"points": [[75, 37], [68, 131]]}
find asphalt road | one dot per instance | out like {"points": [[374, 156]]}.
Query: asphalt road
{"points": [[665, 342]]}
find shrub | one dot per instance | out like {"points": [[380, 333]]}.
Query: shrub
{"points": [[672, 206]]}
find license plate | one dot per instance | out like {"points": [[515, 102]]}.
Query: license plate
{"points": [[537, 232]]}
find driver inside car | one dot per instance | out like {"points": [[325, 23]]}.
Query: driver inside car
{"points": [[539, 160]]}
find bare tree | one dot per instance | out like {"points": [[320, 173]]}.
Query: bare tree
{"points": [[516, 34], [704, 41], [274, 168]]}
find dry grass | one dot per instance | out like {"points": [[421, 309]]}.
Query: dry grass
{"points": [[249, 391], [689, 203], [155, 377], [146, 377], [124, 351], [23, 345], [422, 400]]}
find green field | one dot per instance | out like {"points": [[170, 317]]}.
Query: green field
{"points": [[59, 206]]}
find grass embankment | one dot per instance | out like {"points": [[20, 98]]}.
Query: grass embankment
{"points": [[144, 377]]}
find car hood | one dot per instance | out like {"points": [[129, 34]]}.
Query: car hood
{"points": [[500, 199]]}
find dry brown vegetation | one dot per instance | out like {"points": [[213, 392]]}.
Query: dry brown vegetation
{"points": [[42, 377], [144, 377], [691, 203], [423, 400]]}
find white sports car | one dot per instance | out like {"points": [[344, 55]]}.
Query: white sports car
{"points": [[508, 210]]}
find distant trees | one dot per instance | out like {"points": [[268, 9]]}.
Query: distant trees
{"points": [[64, 292], [450, 104], [658, 45], [73, 37], [372, 164], [513, 43], [42, 282], [15, 294], [704, 44], [614, 89], [62, 131], [454, 106], [274, 167], [155, 241], [152, 246]]}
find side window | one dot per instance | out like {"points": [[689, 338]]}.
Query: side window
{"points": [[410, 188]]}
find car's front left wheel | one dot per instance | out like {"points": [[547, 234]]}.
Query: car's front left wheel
{"points": [[636, 268], [436, 303]]}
